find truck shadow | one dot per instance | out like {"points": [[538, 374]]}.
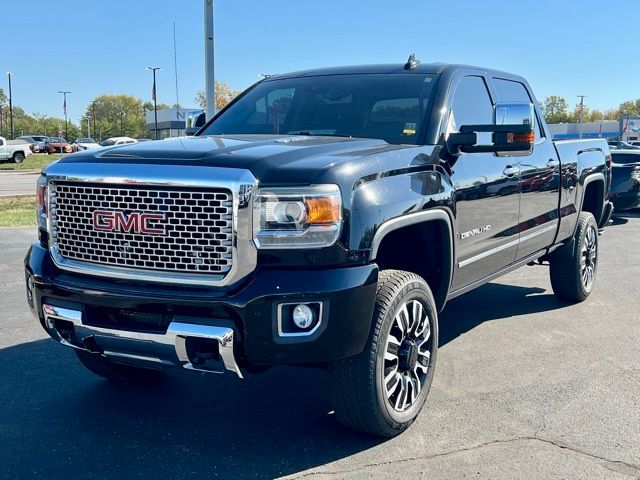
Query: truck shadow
{"points": [[493, 301], [59, 421]]}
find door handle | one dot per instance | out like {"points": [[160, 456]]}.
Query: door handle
{"points": [[511, 170], [553, 163]]}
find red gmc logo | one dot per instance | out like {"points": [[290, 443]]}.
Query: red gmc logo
{"points": [[135, 222]]}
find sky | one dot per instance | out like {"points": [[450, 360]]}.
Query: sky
{"points": [[563, 47]]}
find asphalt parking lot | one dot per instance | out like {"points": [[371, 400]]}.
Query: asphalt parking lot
{"points": [[526, 387]]}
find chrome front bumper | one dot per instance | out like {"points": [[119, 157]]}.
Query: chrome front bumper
{"points": [[154, 349]]}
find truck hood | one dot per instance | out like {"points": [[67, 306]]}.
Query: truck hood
{"points": [[272, 159]]}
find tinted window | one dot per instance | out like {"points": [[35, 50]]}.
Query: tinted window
{"points": [[389, 107], [625, 157], [471, 106], [510, 91]]}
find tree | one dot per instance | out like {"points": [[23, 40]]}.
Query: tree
{"points": [[630, 107], [555, 109], [3, 98], [115, 111], [224, 95]]}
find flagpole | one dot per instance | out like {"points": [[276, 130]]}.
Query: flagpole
{"points": [[155, 98], [64, 107]]}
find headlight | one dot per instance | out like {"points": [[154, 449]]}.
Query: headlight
{"points": [[42, 202], [297, 217]]}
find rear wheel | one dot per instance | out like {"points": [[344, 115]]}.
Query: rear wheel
{"points": [[18, 157], [573, 267], [382, 390], [103, 367]]}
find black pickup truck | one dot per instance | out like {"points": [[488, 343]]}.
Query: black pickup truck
{"points": [[323, 218]]}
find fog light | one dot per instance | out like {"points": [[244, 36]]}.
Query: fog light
{"points": [[302, 316]]}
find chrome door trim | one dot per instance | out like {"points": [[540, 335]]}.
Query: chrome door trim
{"points": [[240, 182], [510, 244]]}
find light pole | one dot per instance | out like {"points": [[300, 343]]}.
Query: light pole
{"points": [[581, 97], [209, 78], [10, 106], [121, 130], [1, 121], [64, 107], [89, 126], [93, 116], [154, 96]]}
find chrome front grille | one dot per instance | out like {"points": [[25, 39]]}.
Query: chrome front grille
{"points": [[197, 226]]}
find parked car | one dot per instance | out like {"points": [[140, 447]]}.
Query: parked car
{"points": [[143, 140], [110, 142], [38, 142], [624, 145], [15, 150], [635, 143], [84, 143], [58, 145], [324, 218], [625, 180]]}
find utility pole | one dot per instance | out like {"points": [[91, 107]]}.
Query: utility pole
{"points": [[581, 97], [10, 106], [89, 126], [155, 99], [1, 121], [121, 130], [209, 79], [64, 107]]}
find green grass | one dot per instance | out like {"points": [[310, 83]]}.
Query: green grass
{"points": [[36, 161], [17, 211]]}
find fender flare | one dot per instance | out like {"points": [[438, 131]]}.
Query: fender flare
{"points": [[435, 215], [594, 177]]}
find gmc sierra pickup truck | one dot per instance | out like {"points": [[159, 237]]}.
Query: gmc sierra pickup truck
{"points": [[323, 218]]}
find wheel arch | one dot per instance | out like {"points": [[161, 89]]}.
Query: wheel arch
{"points": [[427, 248], [593, 195]]}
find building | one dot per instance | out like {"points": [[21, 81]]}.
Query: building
{"points": [[604, 129], [171, 121], [625, 129]]}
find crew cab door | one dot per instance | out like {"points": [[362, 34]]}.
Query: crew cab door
{"points": [[486, 186], [3, 148], [539, 179]]}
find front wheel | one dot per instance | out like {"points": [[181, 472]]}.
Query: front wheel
{"points": [[18, 157], [382, 390], [573, 266]]}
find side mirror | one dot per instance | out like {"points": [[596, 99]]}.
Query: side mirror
{"points": [[512, 129]]}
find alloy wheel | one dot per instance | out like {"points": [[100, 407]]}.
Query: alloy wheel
{"points": [[407, 355], [588, 257]]}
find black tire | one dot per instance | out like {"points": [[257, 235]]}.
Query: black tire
{"points": [[573, 266], [358, 389], [18, 157], [103, 367]]}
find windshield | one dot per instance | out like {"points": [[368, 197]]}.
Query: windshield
{"points": [[390, 107], [56, 140], [108, 143], [85, 140]]}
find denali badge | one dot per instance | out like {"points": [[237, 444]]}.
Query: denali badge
{"points": [[475, 231], [135, 222]]}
